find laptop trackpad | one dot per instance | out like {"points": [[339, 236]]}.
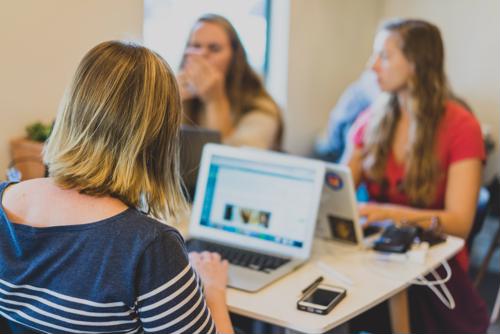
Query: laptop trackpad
{"points": [[251, 280], [248, 279]]}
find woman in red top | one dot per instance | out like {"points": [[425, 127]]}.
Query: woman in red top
{"points": [[420, 155]]}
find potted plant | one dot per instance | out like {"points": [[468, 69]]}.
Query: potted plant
{"points": [[26, 153]]}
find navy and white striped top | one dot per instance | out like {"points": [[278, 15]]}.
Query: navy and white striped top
{"points": [[125, 274]]}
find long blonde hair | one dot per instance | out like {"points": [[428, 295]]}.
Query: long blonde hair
{"points": [[422, 45], [244, 88], [117, 130]]}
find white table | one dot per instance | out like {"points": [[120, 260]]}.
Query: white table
{"points": [[373, 282]]}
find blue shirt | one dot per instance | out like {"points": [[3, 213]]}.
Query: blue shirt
{"points": [[124, 274], [355, 99]]}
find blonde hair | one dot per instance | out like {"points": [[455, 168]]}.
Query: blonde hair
{"points": [[117, 130], [244, 88], [422, 45]]}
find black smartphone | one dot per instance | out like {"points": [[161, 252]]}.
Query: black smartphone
{"points": [[396, 239], [321, 299]]}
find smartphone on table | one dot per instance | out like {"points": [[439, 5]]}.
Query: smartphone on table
{"points": [[321, 299]]}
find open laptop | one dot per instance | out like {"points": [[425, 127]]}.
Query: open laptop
{"points": [[192, 140], [257, 209], [338, 216]]}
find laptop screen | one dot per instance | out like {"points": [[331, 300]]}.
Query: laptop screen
{"points": [[260, 200]]}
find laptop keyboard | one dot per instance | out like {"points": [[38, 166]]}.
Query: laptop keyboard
{"points": [[238, 257]]}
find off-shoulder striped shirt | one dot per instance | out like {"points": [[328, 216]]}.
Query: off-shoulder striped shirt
{"points": [[125, 274]]}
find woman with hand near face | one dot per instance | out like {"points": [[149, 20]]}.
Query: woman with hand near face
{"points": [[220, 90], [420, 154]]}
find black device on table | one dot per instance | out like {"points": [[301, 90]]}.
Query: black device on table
{"points": [[396, 239], [399, 238], [320, 298]]}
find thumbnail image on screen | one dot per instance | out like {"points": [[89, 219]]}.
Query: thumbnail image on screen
{"points": [[247, 216]]}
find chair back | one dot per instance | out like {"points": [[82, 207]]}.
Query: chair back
{"points": [[11, 327], [483, 205]]}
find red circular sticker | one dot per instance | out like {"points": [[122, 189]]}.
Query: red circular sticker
{"points": [[334, 181]]}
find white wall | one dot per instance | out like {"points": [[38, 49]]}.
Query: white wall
{"points": [[329, 44], [471, 33], [277, 76], [42, 43], [326, 48]]}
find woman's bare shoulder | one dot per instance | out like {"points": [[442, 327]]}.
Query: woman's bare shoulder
{"points": [[41, 202]]}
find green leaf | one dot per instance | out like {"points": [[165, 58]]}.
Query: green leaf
{"points": [[38, 131]]}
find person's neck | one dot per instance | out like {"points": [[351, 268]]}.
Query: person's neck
{"points": [[403, 101]]}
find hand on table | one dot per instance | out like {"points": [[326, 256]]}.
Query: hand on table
{"points": [[213, 274], [376, 212]]}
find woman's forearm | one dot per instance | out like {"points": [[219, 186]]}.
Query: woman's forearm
{"points": [[220, 314], [451, 223], [218, 115]]}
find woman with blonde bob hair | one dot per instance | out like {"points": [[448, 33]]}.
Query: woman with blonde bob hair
{"points": [[420, 154], [84, 245], [221, 91]]}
